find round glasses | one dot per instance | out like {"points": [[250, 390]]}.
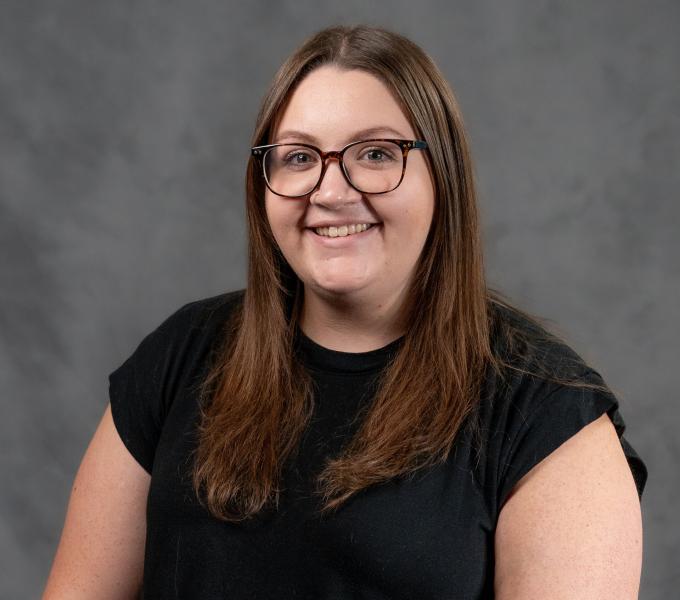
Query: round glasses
{"points": [[372, 166]]}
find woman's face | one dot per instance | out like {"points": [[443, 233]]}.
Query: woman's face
{"points": [[329, 109]]}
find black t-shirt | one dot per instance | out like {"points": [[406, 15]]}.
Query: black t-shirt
{"points": [[427, 537]]}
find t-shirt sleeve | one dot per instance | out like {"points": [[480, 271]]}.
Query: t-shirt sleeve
{"points": [[561, 413], [139, 389]]}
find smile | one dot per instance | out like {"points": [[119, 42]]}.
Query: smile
{"points": [[342, 240], [343, 230]]}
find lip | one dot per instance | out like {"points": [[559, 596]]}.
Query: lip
{"points": [[342, 241]]}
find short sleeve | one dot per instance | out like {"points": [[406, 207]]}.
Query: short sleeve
{"points": [[563, 412], [139, 389]]}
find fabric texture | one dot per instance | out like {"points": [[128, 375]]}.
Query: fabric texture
{"points": [[426, 537]]}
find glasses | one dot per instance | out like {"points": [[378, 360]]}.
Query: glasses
{"points": [[372, 166]]}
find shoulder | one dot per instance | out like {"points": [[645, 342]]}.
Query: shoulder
{"points": [[560, 470], [544, 395], [536, 367], [190, 329], [174, 350], [205, 311], [533, 344], [196, 321]]}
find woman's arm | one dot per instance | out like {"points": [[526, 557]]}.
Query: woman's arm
{"points": [[572, 526], [101, 551]]}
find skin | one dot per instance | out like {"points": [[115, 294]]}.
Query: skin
{"points": [[352, 295], [572, 526], [101, 549]]}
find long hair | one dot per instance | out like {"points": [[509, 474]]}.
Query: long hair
{"points": [[259, 398]]}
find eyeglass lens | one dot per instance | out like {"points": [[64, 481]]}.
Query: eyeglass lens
{"points": [[372, 167]]}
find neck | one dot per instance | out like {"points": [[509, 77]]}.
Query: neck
{"points": [[352, 323]]}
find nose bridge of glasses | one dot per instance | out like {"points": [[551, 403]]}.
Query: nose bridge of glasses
{"points": [[338, 156]]}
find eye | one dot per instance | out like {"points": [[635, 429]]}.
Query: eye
{"points": [[298, 157], [374, 154], [295, 158], [377, 154]]}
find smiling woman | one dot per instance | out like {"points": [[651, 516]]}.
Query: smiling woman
{"points": [[367, 418]]}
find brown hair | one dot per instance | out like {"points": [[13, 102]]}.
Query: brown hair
{"points": [[254, 421]]}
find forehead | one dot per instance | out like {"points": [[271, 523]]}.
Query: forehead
{"points": [[330, 104]]}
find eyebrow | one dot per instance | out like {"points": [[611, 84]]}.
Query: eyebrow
{"points": [[357, 135]]}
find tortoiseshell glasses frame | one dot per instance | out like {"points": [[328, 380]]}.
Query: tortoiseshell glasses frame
{"points": [[260, 153]]}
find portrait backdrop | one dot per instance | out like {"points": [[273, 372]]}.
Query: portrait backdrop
{"points": [[124, 135]]}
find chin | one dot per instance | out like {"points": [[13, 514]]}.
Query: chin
{"points": [[337, 286]]}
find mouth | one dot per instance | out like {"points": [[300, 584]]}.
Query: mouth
{"points": [[336, 239], [343, 231]]}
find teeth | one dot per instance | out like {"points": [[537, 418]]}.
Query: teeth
{"points": [[343, 230]]}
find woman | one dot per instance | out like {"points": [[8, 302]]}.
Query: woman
{"points": [[367, 419]]}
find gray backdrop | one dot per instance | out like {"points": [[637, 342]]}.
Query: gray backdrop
{"points": [[124, 133]]}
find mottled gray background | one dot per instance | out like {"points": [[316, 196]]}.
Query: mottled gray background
{"points": [[124, 133]]}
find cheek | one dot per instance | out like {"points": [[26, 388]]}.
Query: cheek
{"points": [[284, 221], [411, 223], [276, 213], [412, 216]]}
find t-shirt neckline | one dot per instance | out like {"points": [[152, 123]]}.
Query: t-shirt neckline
{"points": [[319, 357]]}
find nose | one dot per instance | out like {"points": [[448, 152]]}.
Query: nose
{"points": [[334, 189]]}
